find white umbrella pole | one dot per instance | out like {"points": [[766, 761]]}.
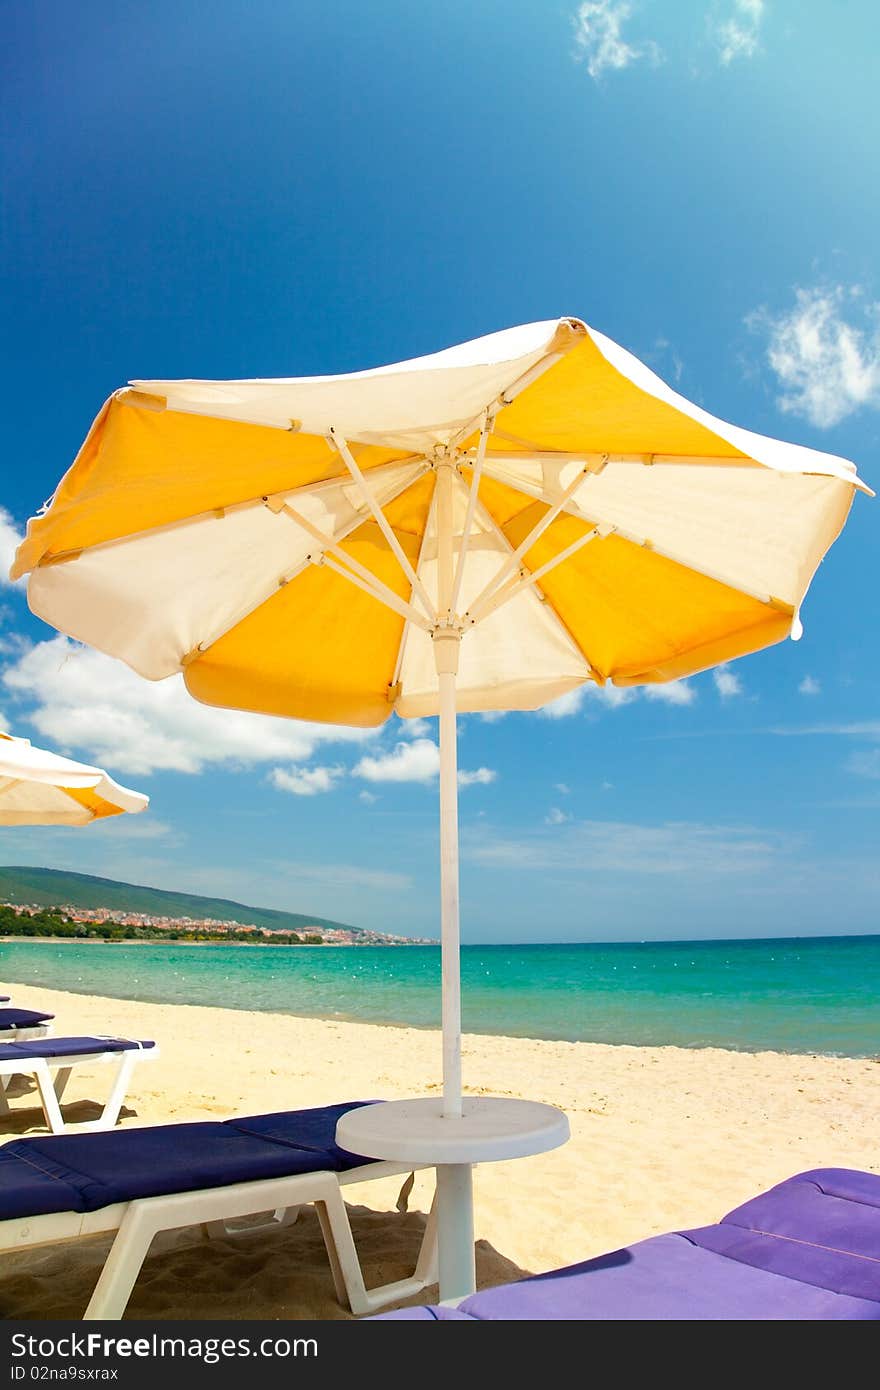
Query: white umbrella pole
{"points": [[455, 1194], [455, 1200], [447, 644], [449, 907]]}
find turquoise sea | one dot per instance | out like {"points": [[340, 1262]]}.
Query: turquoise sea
{"points": [[819, 994]]}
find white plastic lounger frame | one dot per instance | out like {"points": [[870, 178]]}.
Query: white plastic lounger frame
{"points": [[137, 1222], [41, 1068], [36, 1030]]}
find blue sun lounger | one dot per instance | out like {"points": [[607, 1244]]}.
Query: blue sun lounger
{"points": [[17, 1024], [41, 1057], [807, 1250], [138, 1182]]}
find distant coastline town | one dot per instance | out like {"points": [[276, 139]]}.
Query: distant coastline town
{"points": [[30, 920]]}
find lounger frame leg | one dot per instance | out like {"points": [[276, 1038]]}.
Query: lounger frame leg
{"points": [[52, 1080], [62, 1076], [113, 1104], [145, 1219], [124, 1263], [51, 1108], [52, 1090], [280, 1216], [346, 1267]]}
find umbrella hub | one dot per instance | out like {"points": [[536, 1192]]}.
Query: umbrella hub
{"points": [[447, 640], [445, 455]]}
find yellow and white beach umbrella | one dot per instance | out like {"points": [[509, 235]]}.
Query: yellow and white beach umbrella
{"points": [[42, 788], [483, 529]]}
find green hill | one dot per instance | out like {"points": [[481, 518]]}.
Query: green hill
{"points": [[56, 888]]}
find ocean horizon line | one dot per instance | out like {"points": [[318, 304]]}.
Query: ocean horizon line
{"points": [[423, 943], [785, 994]]}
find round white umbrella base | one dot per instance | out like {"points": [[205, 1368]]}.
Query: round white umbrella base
{"points": [[489, 1129]]}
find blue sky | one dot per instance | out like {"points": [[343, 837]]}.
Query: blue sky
{"points": [[259, 189]]}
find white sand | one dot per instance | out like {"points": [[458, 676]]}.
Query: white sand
{"points": [[661, 1137]]}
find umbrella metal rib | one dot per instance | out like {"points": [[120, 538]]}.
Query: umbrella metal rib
{"points": [[379, 516]]}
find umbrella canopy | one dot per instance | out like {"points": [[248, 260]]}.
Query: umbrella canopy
{"points": [[42, 788], [616, 533]]}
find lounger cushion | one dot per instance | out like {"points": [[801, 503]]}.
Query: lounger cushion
{"points": [[827, 1205], [313, 1131], [822, 1227], [84, 1172], [808, 1250], [22, 1018], [835, 1271], [69, 1047], [668, 1278], [26, 1190], [665, 1279]]}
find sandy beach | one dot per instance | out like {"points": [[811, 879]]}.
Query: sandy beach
{"points": [[661, 1137]]}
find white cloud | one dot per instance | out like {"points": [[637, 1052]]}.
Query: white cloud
{"points": [[418, 761], [613, 695], [556, 817], [737, 35], [330, 876], [10, 539], [864, 728], [368, 798], [572, 702], [563, 788], [861, 763], [565, 705], [591, 847], [415, 728], [809, 686], [305, 781], [599, 41], [664, 350], [727, 683], [141, 827], [672, 693], [865, 764], [828, 366], [85, 702], [479, 777]]}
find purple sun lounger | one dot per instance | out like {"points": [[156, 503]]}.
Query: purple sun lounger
{"points": [[135, 1183], [807, 1250], [41, 1057], [17, 1024]]}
